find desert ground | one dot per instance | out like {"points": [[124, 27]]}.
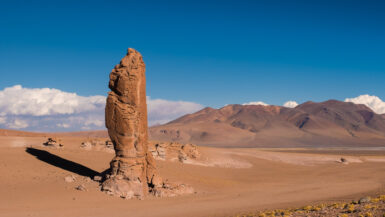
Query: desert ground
{"points": [[227, 181]]}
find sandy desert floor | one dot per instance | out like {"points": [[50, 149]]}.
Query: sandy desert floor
{"points": [[227, 182]]}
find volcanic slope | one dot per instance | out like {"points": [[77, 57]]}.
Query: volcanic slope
{"points": [[326, 124]]}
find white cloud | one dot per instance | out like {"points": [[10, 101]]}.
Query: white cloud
{"points": [[46, 109], [3, 120], [95, 122], [373, 102], [290, 104], [17, 124], [255, 103], [17, 100], [63, 125], [162, 111]]}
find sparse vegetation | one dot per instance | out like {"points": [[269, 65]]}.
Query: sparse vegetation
{"points": [[367, 207], [351, 208]]}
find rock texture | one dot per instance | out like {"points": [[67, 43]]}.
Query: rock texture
{"points": [[133, 173]]}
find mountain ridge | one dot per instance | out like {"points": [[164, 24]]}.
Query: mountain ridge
{"points": [[328, 123]]}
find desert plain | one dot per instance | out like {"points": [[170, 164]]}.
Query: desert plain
{"points": [[226, 180]]}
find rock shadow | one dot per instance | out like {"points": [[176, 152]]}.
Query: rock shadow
{"points": [[62, 163]]}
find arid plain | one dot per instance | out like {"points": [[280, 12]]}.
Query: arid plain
{"points": [[227, 181]]}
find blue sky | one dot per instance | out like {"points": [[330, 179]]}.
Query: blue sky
{"points": [[208, 52]]}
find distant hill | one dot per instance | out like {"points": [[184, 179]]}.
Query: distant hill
{"points": [[5, 132], [96, 133], [327, 124]]}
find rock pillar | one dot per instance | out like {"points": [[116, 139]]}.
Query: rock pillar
{"points": [[132, 170]]}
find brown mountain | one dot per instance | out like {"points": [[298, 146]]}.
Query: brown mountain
{"points": [[327, 124]]}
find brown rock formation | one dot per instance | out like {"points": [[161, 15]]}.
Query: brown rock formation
{"points": [[53, 142], [133, 172], [173, 151], [98, 144]]}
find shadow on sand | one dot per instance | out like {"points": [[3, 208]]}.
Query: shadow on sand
{"points": [[63, 163]]}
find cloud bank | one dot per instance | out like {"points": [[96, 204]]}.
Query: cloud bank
{"points": [[48, 109], [290, 104], [162, 111], [255, 103], [373, 102], [17, 100]]}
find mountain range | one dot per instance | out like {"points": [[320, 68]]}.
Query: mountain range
{"points": [[325, 124]]}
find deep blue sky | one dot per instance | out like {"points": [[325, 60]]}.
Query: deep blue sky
{"points": [[209, 52]]}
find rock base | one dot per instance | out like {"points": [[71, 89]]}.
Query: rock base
{"points": [[123, 188], [134, 190]]}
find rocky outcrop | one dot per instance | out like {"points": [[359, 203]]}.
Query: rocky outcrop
{"points": [[53, 142], [133, 172], [98, 145], [173, 151]]}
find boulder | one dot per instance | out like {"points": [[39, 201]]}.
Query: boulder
{"points": [[53, 142]]}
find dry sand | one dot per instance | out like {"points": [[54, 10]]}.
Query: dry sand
{"points": [[227, 181]]}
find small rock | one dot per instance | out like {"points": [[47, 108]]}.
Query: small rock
{"points": [[343, 160], [98, 145], [171, 190], [109, 144], [53, 142], [182, 156], [364, 200], [69, 178], [86, 145], [81, 188], [97, 178]]}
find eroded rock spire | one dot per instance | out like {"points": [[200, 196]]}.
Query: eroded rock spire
{"points": [[133, 173]]}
